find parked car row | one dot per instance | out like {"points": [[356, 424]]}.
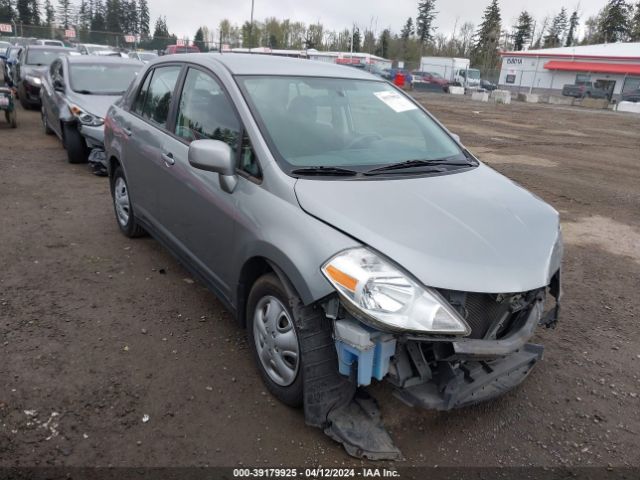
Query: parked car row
{"points": [[76, 93]]}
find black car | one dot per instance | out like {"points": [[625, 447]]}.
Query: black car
{"points": [[631, 96], [488, 86], [32, 63]]}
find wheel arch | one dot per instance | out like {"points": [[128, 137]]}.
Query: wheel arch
{"points": [[254, 268]]}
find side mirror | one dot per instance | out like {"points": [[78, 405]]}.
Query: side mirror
{"points": [[58, 85], [215, 156]]}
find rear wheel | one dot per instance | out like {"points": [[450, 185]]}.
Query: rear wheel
{"points": [[77, 151], [273, 339], [123, 207]]}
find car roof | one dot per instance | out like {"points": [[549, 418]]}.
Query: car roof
{"points": [[259, 64], [101, 60], [47, 47]]}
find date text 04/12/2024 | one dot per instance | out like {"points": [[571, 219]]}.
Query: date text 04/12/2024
{"points": [[315, 473]]}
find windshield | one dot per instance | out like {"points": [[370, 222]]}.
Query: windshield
{"points": [[96, 48], [343, 123], [474, 74], [147, 57], [102, 79], [42, 56]]}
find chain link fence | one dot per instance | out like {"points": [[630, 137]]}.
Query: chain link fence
{"points": [[24, 34]]}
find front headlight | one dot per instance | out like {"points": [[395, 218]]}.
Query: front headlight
{"points": [[380, 294], [86, 118], [33, 80]]}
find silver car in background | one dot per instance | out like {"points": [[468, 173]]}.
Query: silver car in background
{"points": [[76, 93], [143, 55], [351, 233]]}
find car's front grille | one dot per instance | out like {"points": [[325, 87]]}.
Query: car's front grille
{"points": [[488, 315], [483, 311]]}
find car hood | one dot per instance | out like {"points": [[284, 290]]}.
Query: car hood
{"points": [[473, 231], [94, 104]]}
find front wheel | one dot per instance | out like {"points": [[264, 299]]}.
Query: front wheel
{"points": [[273, 339], [77, 151], [123, 207]]}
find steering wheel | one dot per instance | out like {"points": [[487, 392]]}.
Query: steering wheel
{"points": [[361, 138]]}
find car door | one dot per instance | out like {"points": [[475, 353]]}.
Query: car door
{"points": [[145, 128], [51, 98], [199, 215]]}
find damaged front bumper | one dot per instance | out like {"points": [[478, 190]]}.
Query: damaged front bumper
{"points": [[447, 373], [430, 372]]}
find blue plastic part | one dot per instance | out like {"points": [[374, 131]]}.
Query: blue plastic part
{"points": [[372, 362]]}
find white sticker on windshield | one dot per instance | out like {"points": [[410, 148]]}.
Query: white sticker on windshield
{"points": [[395, 101]]}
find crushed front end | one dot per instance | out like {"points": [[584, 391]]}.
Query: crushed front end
{"points": [[442, 373]]}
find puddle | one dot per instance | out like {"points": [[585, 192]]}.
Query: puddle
{"points": [[615, 237]]}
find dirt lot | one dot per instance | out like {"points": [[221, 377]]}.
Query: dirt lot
{"points": [[98, 331]]}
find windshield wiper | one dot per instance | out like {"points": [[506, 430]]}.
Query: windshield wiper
{"points": [[328, 171], [407, 164]]}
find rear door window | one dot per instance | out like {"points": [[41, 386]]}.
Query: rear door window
{"points": [[158, 95]]}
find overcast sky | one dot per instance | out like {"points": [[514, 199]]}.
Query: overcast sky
{"points": [[184, 16]]}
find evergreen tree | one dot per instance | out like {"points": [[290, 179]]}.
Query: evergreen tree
{"points": [[635, 25], [356, 39], [198, 40], [84, 16], [424, 21], [557, 30], [113, 16], [382, 49], [574, 21], [98, 25], [36, 18], [24, 11], [49, 13], [523, 31], [161, 30], [143, 18], [65, 11], [408, 30], [7, 14], [485, 51], [133, 19], [614, 24]]}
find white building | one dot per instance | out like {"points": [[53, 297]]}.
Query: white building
{"points": [[612, 66]]}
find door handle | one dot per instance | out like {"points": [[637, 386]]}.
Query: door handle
{"points": [[168, 158], [128, 132]]}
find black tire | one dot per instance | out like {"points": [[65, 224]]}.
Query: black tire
{"points": [[13, 119], [265, 286], [77, 151], [45, 122], [131, 228]]}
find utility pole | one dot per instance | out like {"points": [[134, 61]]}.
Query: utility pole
{"points": [[251, 25]]}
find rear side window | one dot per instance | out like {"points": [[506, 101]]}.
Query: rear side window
{"points": [[154, 98]]}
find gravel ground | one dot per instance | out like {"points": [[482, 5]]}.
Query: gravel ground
{"points": [[110, 354]]}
